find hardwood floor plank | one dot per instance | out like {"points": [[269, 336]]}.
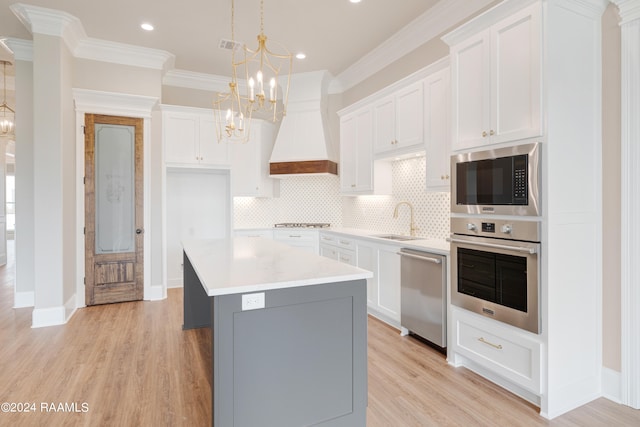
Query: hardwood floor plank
{"points": [[134, 366]]}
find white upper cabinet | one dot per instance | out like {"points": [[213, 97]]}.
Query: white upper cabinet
{"points": [[189, 136], [399, 119], [359, 174], [437, 130], [356, 154], [496, 83], [250, 163]]}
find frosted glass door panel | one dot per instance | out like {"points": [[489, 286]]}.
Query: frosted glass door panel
{"points": [[115, 188]]}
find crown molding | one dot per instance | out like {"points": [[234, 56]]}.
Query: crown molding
{"points": [[629, 10], [121, 104], [442, 16], [193, 80], [124, 54], [22, 49], [40, 20]]}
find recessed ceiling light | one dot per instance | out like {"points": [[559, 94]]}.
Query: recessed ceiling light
{"points": [[146, 26], [355, 1], [301, 55]]}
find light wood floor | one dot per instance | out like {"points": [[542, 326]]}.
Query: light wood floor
{"points": [[133, 366]]}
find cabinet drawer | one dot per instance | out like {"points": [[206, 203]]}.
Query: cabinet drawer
{"points": [[295, 235], [505, 352], [347, 257], [339, 241]]}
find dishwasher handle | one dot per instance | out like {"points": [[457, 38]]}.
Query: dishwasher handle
{"points": [[423, 258]]}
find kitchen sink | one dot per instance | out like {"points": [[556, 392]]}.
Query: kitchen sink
{"points": [[397, 237]]}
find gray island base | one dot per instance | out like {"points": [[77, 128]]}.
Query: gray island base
{"points": [[299, 361]]}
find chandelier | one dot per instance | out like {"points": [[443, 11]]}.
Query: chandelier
{"points": [[233, 119], [264, 66], [265, 72], [7, 115]]}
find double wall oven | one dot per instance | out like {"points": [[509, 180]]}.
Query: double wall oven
{"points": [[496, 235]]}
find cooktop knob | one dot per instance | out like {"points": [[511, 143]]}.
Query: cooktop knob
{"points": [[471, 227], [506, 229]]}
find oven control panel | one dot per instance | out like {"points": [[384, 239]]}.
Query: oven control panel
{"points": [[497, 228]]}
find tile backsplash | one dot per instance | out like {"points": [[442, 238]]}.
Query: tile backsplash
{"points": [[317, 199], [431, 210], [311, 198]]}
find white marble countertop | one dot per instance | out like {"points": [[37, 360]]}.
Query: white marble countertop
{"points": [[439, 246], [243, 264]]}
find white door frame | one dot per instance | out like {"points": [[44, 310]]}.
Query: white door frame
{"points": [[113, 104]]}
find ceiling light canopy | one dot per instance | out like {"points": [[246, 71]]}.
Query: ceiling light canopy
{"points": [[7, 115]]}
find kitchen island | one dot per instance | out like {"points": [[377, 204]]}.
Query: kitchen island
{"points": [[289, 332]]}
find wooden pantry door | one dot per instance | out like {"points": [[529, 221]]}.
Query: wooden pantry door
{"points": [[113, 209]]}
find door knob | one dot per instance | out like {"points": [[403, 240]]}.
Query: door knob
{"points": [[139, 230]]}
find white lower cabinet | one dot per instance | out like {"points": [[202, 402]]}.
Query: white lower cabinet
{"points": [[389, 282], [507, 351], [304, 239], [339, 248], [264, 233], [383, 289]]}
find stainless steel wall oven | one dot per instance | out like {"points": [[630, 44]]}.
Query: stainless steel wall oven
{"points": [[495, 269]]}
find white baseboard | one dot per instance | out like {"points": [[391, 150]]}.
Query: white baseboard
{"points": [[155, 293], [52, 316], [611, 385], [23, 299], [174, 283]]}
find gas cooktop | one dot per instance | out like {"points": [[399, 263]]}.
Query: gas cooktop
{"points": [[302, 225]]}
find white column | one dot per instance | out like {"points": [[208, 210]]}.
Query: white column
{"points": [[630, 183]]}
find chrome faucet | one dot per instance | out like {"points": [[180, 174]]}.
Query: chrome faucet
{"points": [[412, 225]]}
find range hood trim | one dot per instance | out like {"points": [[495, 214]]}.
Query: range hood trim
{"points": [[307, 167]]}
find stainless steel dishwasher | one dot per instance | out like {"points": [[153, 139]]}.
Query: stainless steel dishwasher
{"points": [[423, 296]]}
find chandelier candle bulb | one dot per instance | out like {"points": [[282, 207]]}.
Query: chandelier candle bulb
{"points": [[252, 83], [272, 90]]}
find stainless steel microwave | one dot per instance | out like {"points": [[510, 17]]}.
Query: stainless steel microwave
{"points": [[504, 181]]}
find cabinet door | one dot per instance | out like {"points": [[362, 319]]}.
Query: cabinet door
{"points": [[389, 282], [364, 151], [245, 167], [385, 125], [356, 156], [181, 133], [348, 153], [470, 91], [212, 152], [516, 77], [437, 131], [366, 257], [329, 252], [409, 116]]}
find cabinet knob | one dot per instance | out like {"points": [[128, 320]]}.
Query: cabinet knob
{"points": [[491, 132], [484, 134], [353, 185]]}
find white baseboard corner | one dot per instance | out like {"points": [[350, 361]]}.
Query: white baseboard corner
{"points": [[23, 299], [611, 385], [155, 293], [53, 316]]}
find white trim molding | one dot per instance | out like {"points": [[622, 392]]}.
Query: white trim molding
{"points": [[630, 183], [52, 316], [23, 299], [442, 16], [193, 80], [114, 104], [41, 20], [22, 49]]}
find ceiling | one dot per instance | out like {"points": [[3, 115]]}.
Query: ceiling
{"points": [[333, 33]]}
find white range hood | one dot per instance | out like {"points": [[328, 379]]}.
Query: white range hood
{"points": [[303, 145]]}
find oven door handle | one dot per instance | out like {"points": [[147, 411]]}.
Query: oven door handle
{"points": [[494, 245], [423, 258]]}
